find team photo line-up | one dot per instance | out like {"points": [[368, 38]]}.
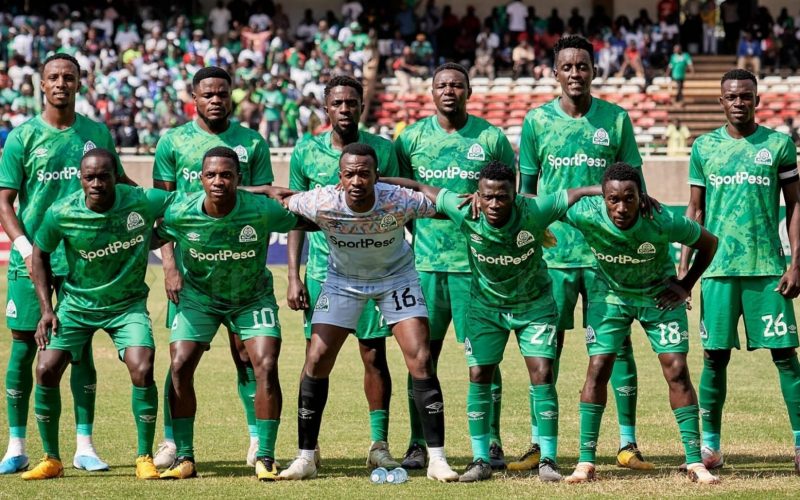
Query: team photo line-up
{"points": [[499, 245]]}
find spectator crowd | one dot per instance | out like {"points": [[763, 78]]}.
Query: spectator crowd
{"points": [[139, 57]]}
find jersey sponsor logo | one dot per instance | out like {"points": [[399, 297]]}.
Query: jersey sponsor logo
{"points": [[11, 309], [89, 146], [189, 175], [475, 415], [435, 408], [503, 260], [388, 222], [323, 303], [135, 221], [589, 444], [222, 255], [241, 152], [476, 238], [601, 137], [627, 390], [451, 172], [467, 347], [591, 336], [738, 178], [549, 414], [524, 238], [763, 157], [13, 393], [646, 248], [362, 243], [248, 234], [476, 152], [64, 174], [619, 259], [193, 236], [112, 248], [40, 152], [577, 160]]}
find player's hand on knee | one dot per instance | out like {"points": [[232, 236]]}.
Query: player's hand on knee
{"points": [[673, 295], [297, 295], [173, 283], [789, 284], [48, 323]]}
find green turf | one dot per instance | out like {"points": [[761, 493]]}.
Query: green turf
{"points": [[757, 438]]}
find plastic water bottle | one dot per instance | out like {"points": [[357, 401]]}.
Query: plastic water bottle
{"points": [[378, 475], [397, 476]]}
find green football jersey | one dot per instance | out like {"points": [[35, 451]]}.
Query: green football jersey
{"points": [[567, 152], [224, 260], [428, 154], [106, 253], [42, 163], [179, 155], [632, 263], [742, 180], [315, 163], [508, 271]]}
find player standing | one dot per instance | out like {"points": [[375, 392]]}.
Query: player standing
{"points": [[636, 281], [568, 143], [106, 231], [40, 164], [737, 174], [315, 163], [369, 259], [178, 164], [447, 150]]}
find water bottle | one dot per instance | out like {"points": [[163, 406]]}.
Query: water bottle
{"points": [[397, 476], [378, 475]]}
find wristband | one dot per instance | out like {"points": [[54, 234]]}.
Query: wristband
{"points": [[23, 246]]}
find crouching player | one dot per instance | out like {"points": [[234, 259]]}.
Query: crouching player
{"points": [[221, 236], [106, 229], [637, 282]]}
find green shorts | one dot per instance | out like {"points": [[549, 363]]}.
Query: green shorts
{"points": [[568, 284], [371, 324], [488, 330], [447, 296], [609, 324], [22, 306], [130, 328], [198, 322], [769, 321]]}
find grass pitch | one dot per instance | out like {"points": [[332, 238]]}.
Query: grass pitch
{"points": [[756, 434]]}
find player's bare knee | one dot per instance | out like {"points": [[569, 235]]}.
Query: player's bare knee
{"points": [[540, 373], [600, 368], [266, 366], [481, 374]]}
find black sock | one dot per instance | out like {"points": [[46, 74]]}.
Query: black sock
{"points": [[310, 405], [430, 405]]}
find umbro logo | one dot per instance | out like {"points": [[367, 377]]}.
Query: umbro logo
{"points": [[147, 419], [248, 234], [193, 237], [135, 221], [524, 238], [89, 146], [305, 413], [90, 389], [476, 152], [627, 390], [475, 415], [590, 444], [549, 414], [436, 407], [11, 309], [646, 248], [475, 237], [42, 418], [763, 157], [601, 137], [40, 152], [497, 396], [704, 412], [241, 152], [13, 393]]}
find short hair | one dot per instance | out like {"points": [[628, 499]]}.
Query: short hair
{"points": [[573, 42], [621, 171], [454, 67], [343, 81], [360, 149], [64, 57], [101, 153], [497, 171], [210, 72], [739, 74], [223, 152]]}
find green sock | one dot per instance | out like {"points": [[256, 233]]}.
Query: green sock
{"points": [[19, 384], [413, 417], [183, 428], [590, 417], [789, 375], [532, 410], [713, 389], [479, 404], [144, 403], [47, 409], [83, 383], [379, 425], [246, 385], [624, 381], [688, 418], [545, 402], [168, 435], [267, 435], [497, 401]]}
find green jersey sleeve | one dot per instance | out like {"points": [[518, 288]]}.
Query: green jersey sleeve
{"points": [[48, 236], [403, 158], [551, 207], [158, 200], [447, 203], [628, 151], [528, 161], [298, 181], [280, 219], [12, 171], [696, 175], [391, 168], [684, 231], [164, 168], [262, 165]]}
